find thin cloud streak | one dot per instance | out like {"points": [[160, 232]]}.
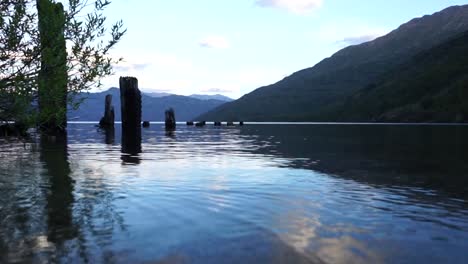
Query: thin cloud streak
{"points": [[293, 6], [216, 90], [214, 42]]}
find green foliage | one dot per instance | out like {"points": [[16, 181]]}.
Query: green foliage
{"points": [[88, 42], [19, 59]]}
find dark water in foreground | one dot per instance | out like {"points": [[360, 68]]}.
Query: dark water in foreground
{"points": [[252, 194]]}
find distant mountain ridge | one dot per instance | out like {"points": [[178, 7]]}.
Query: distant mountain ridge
{"points": [[153, 108], [196, 96], [214, 96], [307, 94]]}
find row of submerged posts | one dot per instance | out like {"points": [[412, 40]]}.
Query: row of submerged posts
{"points": [[130, 98], [130, 103], [216, 123]]}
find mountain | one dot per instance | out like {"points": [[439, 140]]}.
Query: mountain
{"points": [[431, 87], [153, 108], [307, 94], [219, 97]]}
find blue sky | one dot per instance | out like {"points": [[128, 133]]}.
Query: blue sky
{"points": [[232, 47]]}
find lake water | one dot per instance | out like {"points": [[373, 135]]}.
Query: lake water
{"points": [[252, 194]]}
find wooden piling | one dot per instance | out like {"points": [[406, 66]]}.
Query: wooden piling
{"points": [[170, 119], [200, 124], [130, 100], [109, 116], [109, 133]]}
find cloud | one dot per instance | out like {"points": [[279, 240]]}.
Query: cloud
{"points": [[355, 40], [131, 66], [214, 42], [216, 90], [177, 74], [293, 6]]}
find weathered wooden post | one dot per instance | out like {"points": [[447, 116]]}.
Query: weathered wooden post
{"points": [[170, 119], [109, 135], [53, 75], [200, 124], [130, 100], [108, 119], [146, 124]]}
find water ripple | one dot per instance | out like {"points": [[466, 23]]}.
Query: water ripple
{"points": [[256, 194]]}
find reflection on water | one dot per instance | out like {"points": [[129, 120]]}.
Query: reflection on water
{"points": [[131, 144], [109, 133], [59, 197], [252, 194]]}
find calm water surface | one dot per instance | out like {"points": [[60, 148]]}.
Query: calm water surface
{"points": [[252, 194]]}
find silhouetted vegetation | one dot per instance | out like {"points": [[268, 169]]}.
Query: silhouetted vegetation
{"points": [[37, 71]]}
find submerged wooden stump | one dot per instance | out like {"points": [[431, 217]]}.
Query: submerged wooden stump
{"points": [[109, 117], [200, 124], [170, 119], [130, 100], [109, 135]]}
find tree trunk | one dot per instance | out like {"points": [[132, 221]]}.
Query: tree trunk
{"points": [[53, 76]]}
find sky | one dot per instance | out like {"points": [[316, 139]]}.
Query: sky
{"points": [[232, 47]]}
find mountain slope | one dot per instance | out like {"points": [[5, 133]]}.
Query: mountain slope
{"points": [[304, 95], [186, 108], [432, 87]]}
